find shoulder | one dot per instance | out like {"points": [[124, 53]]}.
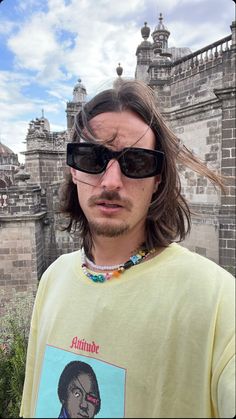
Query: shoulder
{"points": [[191, 258], [63, 266], [64, 260], [183, 263]]}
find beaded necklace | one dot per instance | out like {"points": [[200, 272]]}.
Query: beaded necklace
{"points": [[101, 267], [113, 271]]}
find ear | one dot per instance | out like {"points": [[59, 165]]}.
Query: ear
{"points": [[73, 173]]}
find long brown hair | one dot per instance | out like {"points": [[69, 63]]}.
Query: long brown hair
{"points": [[169, 216]]}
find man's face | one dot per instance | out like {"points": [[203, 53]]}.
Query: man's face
{"points": [[81, 401], [114, 204]]}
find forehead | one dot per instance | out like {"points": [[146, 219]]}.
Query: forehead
{"points": [[125, 127]]}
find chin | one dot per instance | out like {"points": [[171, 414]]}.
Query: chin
{"points": [[108, 230]]}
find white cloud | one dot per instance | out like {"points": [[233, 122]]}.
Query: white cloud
{"points": [[33, 44], [6, 26], [13, 135], [16, 110], [11, 84], [98, 41], [24, 6], [91, 10], [56, 41], [179, 29]]}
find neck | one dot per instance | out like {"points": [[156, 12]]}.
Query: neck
{"points": [[117, 250]]}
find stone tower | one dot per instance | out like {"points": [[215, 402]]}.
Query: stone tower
{"points": [[79, 99], [144, 55]]}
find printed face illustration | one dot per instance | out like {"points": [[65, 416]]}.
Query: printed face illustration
{"points": [[81, 399]]}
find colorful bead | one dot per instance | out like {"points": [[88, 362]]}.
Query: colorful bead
{"points": [[134, 260], [116, 274]]}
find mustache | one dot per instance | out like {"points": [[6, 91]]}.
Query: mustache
{"points": [[111, 196]]}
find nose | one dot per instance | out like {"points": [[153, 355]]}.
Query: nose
{"points": [[83, 403], [112, 177]]}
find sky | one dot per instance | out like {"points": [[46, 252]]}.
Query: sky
{"points": [[46, 45]]}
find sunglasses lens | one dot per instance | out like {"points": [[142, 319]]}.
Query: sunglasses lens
{"points": [[136, 163], [139, 163], [85, 157]]}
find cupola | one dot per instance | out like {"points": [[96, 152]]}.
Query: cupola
{"points": [[160, 35], [79, 92]]}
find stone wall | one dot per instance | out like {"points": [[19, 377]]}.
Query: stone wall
{"points": [[21, 237], [56, 240], [45, 168], [198, 102], [204, 236], [199, 128], [227, 237], [22, 254]]}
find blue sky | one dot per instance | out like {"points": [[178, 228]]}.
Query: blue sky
{"points": [[46, 45]]}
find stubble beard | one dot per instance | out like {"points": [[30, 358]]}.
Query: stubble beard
{"points": [[106, 230]]}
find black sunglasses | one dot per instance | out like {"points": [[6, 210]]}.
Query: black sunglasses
{"points": [[136, 163]]}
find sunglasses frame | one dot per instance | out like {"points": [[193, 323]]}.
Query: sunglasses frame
{"points": [[159, 158]]}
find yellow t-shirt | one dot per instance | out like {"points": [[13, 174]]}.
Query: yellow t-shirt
{"points": [[159, 339]]}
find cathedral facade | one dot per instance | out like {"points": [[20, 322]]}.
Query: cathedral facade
{"points": [[195, 92]]}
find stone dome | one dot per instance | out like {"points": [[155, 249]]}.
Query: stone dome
{"points": [[8, 165], [7, 156], [5, 151], [161, 26]]}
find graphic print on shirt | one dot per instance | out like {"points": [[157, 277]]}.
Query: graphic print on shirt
{"points": [[77, 386]]}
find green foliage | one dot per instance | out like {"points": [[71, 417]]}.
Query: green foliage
{"points": [[13, 347]]}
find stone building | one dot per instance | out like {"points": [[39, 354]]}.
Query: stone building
{"points": [[196, 94], [30, 233]]}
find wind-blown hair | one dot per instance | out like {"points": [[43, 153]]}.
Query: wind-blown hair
{"points": [[169, 216]]}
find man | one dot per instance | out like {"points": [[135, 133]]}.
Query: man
{"points": [[78, 391], [151, 308]]}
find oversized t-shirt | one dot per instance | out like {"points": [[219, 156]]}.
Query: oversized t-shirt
{"points": [[159, 340]]}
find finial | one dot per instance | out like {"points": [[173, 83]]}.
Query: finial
{"points": [[119, 70], [79, 80], [160, 18], [42, 113], [145, 31]]}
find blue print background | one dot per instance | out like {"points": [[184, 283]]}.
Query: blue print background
{"points": [[111, 382]]}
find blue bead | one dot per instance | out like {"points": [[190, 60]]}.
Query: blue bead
{"points": [[135, 259]]}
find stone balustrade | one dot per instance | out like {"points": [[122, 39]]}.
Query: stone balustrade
{"points": [[202, 56]]}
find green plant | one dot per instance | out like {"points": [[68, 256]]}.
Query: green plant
{"points": [[13, 347]]}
